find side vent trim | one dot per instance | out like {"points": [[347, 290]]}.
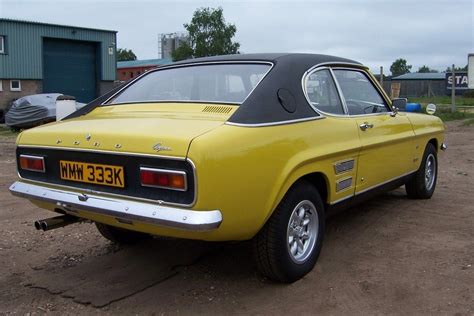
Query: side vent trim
{"points": [[343, 184], [344, 166], [217, 109]]}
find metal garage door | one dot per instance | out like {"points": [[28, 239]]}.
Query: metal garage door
{"points": [[69, 67]]}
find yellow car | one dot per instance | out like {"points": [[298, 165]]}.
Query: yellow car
{"points": [[241, 147]]}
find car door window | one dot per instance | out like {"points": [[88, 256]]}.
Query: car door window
{"points": [[322, 92], [359, 93]]}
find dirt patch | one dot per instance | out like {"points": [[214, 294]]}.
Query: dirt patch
{"points": [[388, 256]]}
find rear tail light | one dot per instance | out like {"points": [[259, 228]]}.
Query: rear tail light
{"points": [[161, 178], [32, 163]]}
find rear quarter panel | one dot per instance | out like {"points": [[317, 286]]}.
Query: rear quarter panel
{"points": [[246, 171]]}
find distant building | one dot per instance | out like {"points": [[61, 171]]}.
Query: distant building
{"points": [[420, 84], [168, 43], [42, 58], [127, 70]]}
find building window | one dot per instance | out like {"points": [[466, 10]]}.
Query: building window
{"points": [[15, 85], [2, 44]]}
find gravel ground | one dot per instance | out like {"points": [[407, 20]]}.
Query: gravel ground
{"points": [[388, 256]]}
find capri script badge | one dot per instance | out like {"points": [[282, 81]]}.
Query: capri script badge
{"points": [[160, 147]]}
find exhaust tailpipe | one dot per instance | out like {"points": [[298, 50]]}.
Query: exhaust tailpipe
{"points": [[56, 222]]}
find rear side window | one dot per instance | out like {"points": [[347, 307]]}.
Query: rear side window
{"points": [[322, 93], [359, 93]]}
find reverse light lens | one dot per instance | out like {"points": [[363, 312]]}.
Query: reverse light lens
{"points": [[161, 178], [32, 163]]}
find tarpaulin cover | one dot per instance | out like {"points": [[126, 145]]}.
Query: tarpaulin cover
{"points": [[33, 109]]}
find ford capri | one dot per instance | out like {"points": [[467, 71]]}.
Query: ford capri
{"points": [[259, 147]]}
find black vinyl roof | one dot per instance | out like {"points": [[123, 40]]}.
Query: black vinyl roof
{"points": [[272, 57], [279, 97], [265, 105]]}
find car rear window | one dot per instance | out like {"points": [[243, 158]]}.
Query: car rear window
{"points": [[222, 83]]}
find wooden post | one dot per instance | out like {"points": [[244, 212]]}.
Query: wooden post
{"points": [[453, 90], [381, 76]]}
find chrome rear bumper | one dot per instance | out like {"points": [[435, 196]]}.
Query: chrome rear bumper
{"points": [[125, 211]]}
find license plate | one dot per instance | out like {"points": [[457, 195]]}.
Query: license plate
{"points": [[92, 173]]}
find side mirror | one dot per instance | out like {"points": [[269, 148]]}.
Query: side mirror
{"points": [[431, 109], [400, 104]]}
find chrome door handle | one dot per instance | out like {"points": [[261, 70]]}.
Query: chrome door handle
{"points": [[364, 126]]}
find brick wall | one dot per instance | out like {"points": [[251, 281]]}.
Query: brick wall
{"points": [[27, 87]]}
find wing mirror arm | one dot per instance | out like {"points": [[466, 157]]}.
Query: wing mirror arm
{"points": [[397, 105], [394, 111]]}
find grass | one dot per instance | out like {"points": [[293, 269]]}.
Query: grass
{"points": [[460, 100], [5, 131], [468, 122], [446, 115]]}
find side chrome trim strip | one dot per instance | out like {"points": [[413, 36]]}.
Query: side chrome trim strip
{"points": [[306, 119], [342, 199], [121, 209], [385, 182], [372, 187]]}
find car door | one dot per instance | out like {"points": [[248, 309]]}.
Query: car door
{"points": [[387, 140], [336, 137]]}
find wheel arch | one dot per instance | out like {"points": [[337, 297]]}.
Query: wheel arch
{"points": [[320, 182], [434, 142], [317, 178]]}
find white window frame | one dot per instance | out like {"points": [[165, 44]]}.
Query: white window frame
{"points": [[1, 85], [19, 85], [2, 44]]}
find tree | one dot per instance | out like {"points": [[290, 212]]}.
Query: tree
{"points": [[425, 69], [125, 54], [400, 67], [209, 35], [456, 69]]}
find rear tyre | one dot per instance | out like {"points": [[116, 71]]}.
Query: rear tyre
{"points": [[288, 246], [120, 235], [423, 183]]}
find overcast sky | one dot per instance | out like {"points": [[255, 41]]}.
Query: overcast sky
{"points": [[424, 32]]}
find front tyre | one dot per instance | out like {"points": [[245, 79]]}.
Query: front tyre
{"points": [[423, 183], [288, 246]]}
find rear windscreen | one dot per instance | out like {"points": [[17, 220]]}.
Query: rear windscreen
{"points": [[223, 83]]}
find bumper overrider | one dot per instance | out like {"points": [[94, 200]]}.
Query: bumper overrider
{"points": [[124, 210]]}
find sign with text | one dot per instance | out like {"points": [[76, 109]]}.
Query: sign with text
{"points": [[460, 80]]}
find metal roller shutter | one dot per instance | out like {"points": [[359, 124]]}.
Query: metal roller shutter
{"points": [[70, 67]]}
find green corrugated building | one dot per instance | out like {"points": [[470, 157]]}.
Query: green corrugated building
{"points": [[48, 58]]}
